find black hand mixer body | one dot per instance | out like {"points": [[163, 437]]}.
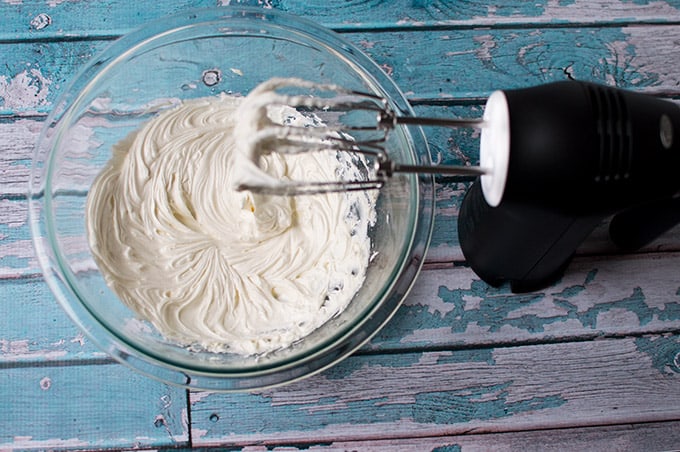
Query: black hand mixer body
{"points": [[578, 153]]}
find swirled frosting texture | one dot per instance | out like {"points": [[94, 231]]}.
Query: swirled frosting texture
{"points": [[212, 267]]}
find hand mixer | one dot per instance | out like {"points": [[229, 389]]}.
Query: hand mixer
{"points": [[555, 161]]}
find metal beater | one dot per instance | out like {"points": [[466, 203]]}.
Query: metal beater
{"points": [[349, 131], [556, 160]]}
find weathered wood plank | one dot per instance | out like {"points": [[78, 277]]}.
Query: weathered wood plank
{"points": [[656, 436], [441, 64], [459, 357], [598, 296], [88, 407], [453, 392], [471, 64], [17, 141], [35, 19], [34, 328], [448, 307], [428, 13], [19, 136]]}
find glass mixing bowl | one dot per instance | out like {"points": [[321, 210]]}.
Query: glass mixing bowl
{"points": [[205, 53]]}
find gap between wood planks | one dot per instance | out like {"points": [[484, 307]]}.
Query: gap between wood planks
{"points": [[494, 23]]}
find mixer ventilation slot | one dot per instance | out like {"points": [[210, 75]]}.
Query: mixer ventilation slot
{"points": [[614, 133]]}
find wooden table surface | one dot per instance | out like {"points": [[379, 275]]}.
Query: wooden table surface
{"points": [[590, 363]]}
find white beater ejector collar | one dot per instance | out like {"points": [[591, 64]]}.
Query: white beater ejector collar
{"points": [[494, 147]]}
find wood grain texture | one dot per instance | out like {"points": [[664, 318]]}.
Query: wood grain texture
{"points": [[447, 308], [50, 336], [83, 407], [590, 363], [428, 13], [455, 392], [597, 297], [440, 64], [654, 436], [40, 20]]}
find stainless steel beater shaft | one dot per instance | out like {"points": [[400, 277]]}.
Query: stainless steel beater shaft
{"points": [[347, 121]]}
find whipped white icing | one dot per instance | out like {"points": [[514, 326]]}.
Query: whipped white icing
{"points": [[212, 267], [258, 133]]}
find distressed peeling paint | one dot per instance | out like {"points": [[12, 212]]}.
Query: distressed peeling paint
{"points": [[17, 347], [495, 313], [467, 310], [628, 56], [663, 351], [28, 442], [484, 355], [484, 402], [27, 89], [346, 368], [79, 339], [41, 21], [448, 448]]}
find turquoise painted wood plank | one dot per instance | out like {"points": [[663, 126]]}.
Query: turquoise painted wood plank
{"points": [[503, 389], [89, 407], [17, 141], [16, 248], [40, 20], [17, 254], [470, 64], [36, 19], [448, 307], [597, 297], [19, 136], [34, 328], [428, 13], [442, 64]]}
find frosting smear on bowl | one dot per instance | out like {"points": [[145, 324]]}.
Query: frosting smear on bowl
{"points": [[215, 268]]}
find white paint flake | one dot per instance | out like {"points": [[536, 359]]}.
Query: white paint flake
{"points": [[41, 21], [28, 89], [79, 339]]}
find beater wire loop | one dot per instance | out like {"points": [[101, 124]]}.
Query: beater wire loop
{"points": [[342, 121]]}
